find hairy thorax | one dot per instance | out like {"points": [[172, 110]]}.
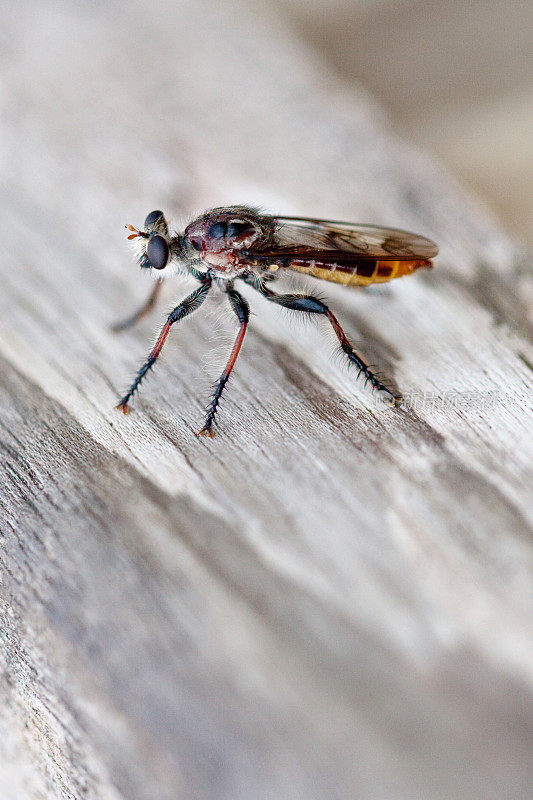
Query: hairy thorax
{"points": [[222, 238]]}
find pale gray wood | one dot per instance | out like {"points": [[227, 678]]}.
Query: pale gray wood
{"points": [[331, 599]]}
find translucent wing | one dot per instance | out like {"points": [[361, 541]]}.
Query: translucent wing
{"points": [[371, 241], [347, 253]]}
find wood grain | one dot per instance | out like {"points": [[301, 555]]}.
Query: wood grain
{"points": [[331, 599]]}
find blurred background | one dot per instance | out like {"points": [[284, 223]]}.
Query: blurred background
{"points": [[456, 76]]}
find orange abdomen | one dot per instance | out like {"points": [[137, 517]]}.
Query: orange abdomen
{"points": [[360, 272]]}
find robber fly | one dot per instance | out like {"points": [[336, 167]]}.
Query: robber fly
{"points": [[240, 243]]}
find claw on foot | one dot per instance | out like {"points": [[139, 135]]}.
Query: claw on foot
{"points": [[206, 432], [124, 407], [390, 399]]}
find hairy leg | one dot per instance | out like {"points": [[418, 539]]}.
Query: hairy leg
{"points": [[186, 307], [312, 305], [147, 306], [141, 312], [241, 309]]}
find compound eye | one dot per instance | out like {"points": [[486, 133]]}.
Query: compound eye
{"points": [[218, 230], [235, 229], [152, 218], [157, 252]]}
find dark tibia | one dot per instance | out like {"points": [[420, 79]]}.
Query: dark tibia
{"points": [[141, 312], [312, 305], [241, 309], [186, 307]]}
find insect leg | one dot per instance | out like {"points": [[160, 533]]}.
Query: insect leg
{"points": [[242, 310], [187, 306], [147, 306], [312, 305]]}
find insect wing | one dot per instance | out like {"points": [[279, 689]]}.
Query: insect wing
{"points": [[370, 241], [354, 255]]}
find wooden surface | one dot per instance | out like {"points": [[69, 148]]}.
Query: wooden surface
{"points": [[331, 599]]}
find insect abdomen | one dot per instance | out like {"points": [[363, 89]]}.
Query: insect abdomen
{"points": [[361, 273]]}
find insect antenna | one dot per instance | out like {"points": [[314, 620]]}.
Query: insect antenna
{"points": [[136, 233]]}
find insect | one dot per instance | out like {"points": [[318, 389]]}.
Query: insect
{"points": [[239, 243]]}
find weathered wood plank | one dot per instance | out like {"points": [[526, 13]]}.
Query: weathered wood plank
{"points": [[331, 598]]}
